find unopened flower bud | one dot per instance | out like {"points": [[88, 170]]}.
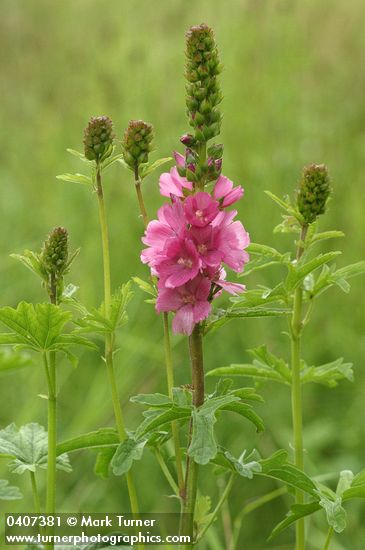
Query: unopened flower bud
{"points": [[215, 151], [188, 140], [98, 138], [54, 253], [137, 143], [314, 190]]}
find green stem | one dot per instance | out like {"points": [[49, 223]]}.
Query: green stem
{"points": [[109, 339], [328, 539], [219, 505], [167, 348], [50, 368], [166, 471], [191, 478], [37, 503], [295, 333]]}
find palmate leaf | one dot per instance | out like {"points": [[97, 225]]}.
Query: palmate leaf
{"points": [[330, 276], [329, 374], [27, 448], [8, 492], [39, 328]]}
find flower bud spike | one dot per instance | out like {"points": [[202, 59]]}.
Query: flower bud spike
{"points": [[98, 138], [314, 191], [137, 143], [54, 258], [203, 90]]}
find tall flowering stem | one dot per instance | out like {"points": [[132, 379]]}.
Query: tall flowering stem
{"points": [[98, 142], [54, 260], [137, 142], [312, 196], [194, 234]]}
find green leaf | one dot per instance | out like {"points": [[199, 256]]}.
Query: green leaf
{"points": [[203, 446], [220, 318], [294, 477], [79, 155], [152, 399], [202, 513], [28, 447], [112, 159], [7, 492], [297, 511], [103, 437], [148, 169], [75, 178], [285, 204], [265, 366], [32, 261], [357, 488], [244, 469], [298, 272], [148, 288], [155, 421], [336, 514], [96, 322], [264, 250], [35, 327], [13, 360], [246, 410], [329, 277], [325, 235], [328, 374], [344, 482], [129, 450]]}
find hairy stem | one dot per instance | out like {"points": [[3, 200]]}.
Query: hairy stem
{"points": [[109, 339], [191, 478], [296, 396], [167, 348]]}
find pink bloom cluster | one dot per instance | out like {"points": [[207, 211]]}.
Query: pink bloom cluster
{"points": [[188, 243]]}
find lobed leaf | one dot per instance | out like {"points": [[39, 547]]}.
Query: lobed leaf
{"points": [[297, 511], [129, 450]]}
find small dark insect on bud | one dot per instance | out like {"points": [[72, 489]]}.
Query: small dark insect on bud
{"points": [[98, 138], [314, 190], [137, 143], [54, 253]]}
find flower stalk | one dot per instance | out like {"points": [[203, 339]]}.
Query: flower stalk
{"points": [[109, 338]]}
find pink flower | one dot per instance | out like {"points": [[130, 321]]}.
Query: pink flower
{"points": [[232, 240], [171, 223], [232, 288], [180, 159], [190, 301], [171, 183], [200, 209], [225, 192], [182, 263], [205, 239]]}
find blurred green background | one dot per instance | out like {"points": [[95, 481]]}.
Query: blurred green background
{"points": [[293, 89]]}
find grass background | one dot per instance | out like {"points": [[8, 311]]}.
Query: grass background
{"points": [[293, 89]]}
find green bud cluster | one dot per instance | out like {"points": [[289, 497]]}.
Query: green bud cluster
{"points": [[314, 190], [98, 138], [137, 143], [203, 91], [54, 255]]}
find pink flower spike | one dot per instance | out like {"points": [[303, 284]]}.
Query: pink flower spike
{"points": [[182, 263], [171, 183], [179, 159], [232, 241], [205, 239], [200, 209], [225, 192], [190, 301]]}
